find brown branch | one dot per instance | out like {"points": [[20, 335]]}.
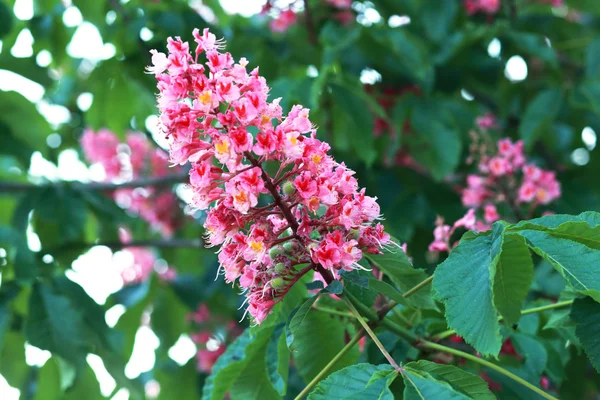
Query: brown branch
{"points": [[277, 200], [97, 186]]}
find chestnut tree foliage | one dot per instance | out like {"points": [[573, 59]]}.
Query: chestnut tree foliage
{"points": [[469, 268]]}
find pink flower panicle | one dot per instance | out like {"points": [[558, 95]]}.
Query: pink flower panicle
{"points": [[133, 159], [504, 179], [314, 213], [489, 7]]}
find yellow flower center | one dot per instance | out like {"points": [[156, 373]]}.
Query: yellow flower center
{"points": [[205, 97], [316, 158], [257, 246], [240, 197], [222, 147]]}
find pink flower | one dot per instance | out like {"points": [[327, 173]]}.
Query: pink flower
{"points": [[340, 3], [467, 222], [486, 121], [527, 192], [282, 23], [490, 213], [441, 240], [498, 166], [305, 185]]}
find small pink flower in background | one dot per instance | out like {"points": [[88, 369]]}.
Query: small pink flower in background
{"points": [[485, 6], [486, 121], [283, 22], [506, 177], [340, 3], [200, 315]]}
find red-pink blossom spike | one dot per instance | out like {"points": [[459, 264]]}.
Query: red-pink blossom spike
{"points": [[315, 213]]}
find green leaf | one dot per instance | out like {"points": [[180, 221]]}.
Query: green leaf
{"points": [[233, 362], [421, 386], [12, 359], [583, 228], [388, 291], [55, 325], [536, 356], [437, 145], [278, 359], [592, 59], [318, 340], [539, 115], [439, 20], [578, 264], [396, 265], [464, 282], [298, 315], [25, 122], [354, 121], [586, 314], [6, 19], [360, 381], [514, 273], [462, 381], [535, 45]]}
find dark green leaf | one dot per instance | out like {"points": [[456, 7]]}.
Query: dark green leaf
{"points": [[356, 382], [586, 314], [464, 282], [539, 115]]}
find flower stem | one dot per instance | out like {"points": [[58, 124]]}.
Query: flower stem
{"points": [[367, 328], [566, 303], [418, 287], [485, 363], [331, 364]]}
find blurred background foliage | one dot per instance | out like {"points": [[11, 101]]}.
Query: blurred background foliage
{"points": [[402, 78]]}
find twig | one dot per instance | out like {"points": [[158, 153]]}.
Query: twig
{"points": [[97, 186]]}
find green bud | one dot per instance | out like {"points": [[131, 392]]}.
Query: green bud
{"points": [[355, 233], [288, 188], [280, 268], [288, 246], [278, 283], [276, 251]]}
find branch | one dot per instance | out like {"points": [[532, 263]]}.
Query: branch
{"points": [[116, 245], [97, 186]]}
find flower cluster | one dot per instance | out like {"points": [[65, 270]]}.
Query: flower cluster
{"points": [[285, 18], [133, 159], [484, 6], [491, 7], [211, 337], [508, 172], [272, 228], [505, 179], [140, 262]]}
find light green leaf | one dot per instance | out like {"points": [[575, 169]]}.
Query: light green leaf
{"points": [[514, 273], [464, 282], [578, 264], [586, 314], [360, 381], [421, 386], [462, 381], [396, 265]]}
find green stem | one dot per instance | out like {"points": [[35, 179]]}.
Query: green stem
{"points": [[566, 303], [331, 363], [418, 287], [435, 346], [368, 329], [335, 312], [401, 317]]}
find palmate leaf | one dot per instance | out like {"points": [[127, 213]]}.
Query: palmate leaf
{"points": [[586, 314], [360, 381], [421, 386], [462, 381], [464, 282]]}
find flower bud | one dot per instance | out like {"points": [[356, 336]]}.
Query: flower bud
{"points": [[278, 283], [288, 188], [288, 246], [355, 233], [280, 268], [276, 251]]}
